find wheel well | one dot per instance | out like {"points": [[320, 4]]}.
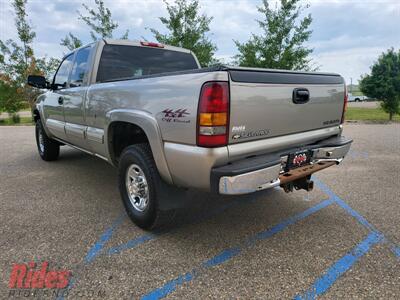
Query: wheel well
{"points": [[35, 115], [121, 135]]}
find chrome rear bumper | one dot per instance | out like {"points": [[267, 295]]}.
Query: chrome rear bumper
{"points": [[235, 182], [250, 182]]}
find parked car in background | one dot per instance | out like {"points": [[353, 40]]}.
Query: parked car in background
{"points": [[357, 98]]}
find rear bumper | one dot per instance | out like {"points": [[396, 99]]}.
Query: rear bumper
{"points": [[266, 171]]}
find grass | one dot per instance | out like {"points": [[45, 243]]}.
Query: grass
{"points": [[23, 121], [368, 114]]}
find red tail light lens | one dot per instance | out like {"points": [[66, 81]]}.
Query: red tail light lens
{"points": [[213, 115], [344, 102]]}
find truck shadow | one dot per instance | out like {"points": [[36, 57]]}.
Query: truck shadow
{"points": [[96, 176]]}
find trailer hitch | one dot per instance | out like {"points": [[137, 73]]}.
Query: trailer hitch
{"points": [[304, 183], [300, 178]]}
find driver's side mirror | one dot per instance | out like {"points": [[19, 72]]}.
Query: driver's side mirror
{"points": [[37, 81]]}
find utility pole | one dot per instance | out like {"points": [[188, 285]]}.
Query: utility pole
{"points": [[351, 85]]}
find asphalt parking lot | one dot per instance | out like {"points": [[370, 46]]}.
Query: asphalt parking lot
{"points": [[339, 241]]}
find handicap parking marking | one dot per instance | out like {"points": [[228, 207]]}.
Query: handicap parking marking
{"points": [[340, 267], [230, 253]]}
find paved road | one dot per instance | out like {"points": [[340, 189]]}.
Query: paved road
{"points": [[339, 241]]}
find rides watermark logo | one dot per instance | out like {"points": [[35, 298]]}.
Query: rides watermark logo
{"points": [[32, 277]]}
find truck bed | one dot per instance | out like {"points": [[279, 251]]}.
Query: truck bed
{"points": [[261, 100]]}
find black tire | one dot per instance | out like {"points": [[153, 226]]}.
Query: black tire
{"points": [[49, 149], [151, 216]]}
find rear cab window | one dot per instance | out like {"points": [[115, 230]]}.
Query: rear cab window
{"points": [[121, 61]]}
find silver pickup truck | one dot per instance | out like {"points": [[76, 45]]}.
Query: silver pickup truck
{"points": [[168, 125]]}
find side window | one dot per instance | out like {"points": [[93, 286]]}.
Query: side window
{"points": [[80, 67], [61, 77]]}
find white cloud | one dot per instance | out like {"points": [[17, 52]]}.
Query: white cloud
{"points": [[350, 63], [347, 35]]}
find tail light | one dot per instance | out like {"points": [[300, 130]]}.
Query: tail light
{"points": [[213, 115], [344, 103]]}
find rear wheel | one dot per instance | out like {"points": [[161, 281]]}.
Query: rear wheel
{"points": [[141, 187], [48, 149]]}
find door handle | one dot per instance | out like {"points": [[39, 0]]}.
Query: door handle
{"points": [[300, 96], [60, 100]]}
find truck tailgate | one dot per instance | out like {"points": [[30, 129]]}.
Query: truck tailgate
{"points": [[268, 103]]}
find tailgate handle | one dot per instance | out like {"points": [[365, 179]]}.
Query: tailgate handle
{"points": [[301, 95]]}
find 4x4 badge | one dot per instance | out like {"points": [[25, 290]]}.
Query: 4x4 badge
{"points": [[177, 115]]}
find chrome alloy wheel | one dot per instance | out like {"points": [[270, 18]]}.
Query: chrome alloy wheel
{"points": [[41, 141], [137, 187]]}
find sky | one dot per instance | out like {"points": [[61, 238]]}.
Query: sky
{"points": [[348, 36]]}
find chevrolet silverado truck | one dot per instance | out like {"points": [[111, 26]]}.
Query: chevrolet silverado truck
{"points": [[169, 125]]}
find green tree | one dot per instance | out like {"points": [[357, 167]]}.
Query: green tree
{"points": [[25, 33], [8, 93], [384, 82], [17, 61], [48, 66], [71, 42], [16, 58], [281, 45], [188, 29], [100, 22]]}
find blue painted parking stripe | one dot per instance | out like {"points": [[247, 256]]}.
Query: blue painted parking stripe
{"points": [[70, 285], [149, 237], [230, 253], [322, 186], [393, 247], [95, 250], [132, 243], [170, 286], [323, 283], [104, 238], [396, 251]]}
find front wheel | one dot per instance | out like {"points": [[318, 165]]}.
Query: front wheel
{"points": [[141, 187], [48, 149]]}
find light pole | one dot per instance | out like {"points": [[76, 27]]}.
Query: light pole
{"points": [[351, 85]]}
